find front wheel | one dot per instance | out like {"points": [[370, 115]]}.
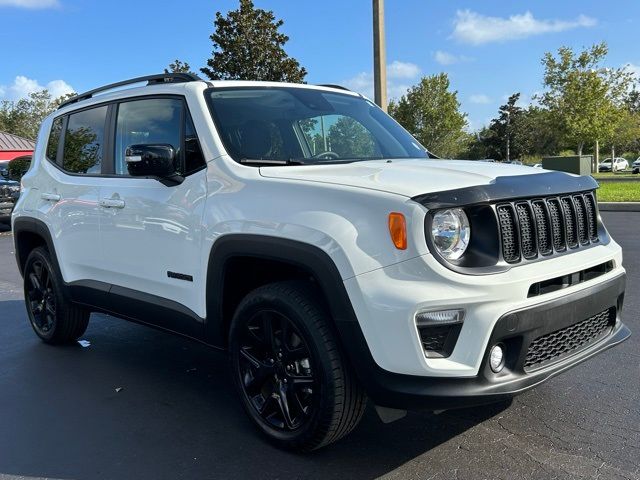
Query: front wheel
{"points": [[52, 316], [292, 377]]}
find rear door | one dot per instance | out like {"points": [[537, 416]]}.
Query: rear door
{"points": [[69, 191], [151, 237]]}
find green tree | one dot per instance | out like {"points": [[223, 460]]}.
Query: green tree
{"points": [[23, 117], [248, 46], [18, 167], [348, 138], [431, 113], [178, 66], [583, 95]]}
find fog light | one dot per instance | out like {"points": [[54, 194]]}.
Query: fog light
{"points": [[496, 358], [440, 317]]}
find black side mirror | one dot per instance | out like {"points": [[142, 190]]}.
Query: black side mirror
{"points": [[153, 161]]}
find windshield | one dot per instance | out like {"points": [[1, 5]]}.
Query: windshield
{"points": [[289, 125]]}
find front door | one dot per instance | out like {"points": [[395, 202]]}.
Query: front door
{"points": [[151, 237]]}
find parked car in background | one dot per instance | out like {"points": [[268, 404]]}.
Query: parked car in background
{"points": [[4, 168], [636, 166], [9, 194], [619, 164]]}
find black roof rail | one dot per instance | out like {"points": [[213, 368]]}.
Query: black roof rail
{"points": [[332, 85], [150, 79]]}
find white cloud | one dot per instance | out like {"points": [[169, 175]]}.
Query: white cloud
{"points": [[476, 29], [23, 86], [400, 77], [398, 69], [446, 58], [479, 98], [633, 69], [29, 3]]}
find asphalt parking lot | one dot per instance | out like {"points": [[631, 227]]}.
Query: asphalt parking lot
{"points": [[176, 415]]}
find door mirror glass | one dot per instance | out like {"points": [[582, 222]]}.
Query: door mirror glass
{"points": [[145, 160]]}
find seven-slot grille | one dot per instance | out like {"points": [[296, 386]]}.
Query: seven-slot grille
{"points": [[569, 340], [529, 228]]}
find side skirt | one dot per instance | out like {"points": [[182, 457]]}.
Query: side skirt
{"points": [[138, 307]]}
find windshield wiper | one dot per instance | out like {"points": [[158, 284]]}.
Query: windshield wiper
{"points": [[269, 161]]}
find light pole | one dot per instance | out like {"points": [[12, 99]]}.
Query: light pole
{"points": [[379, 56], [508, 136]]}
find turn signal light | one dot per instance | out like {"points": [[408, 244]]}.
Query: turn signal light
{"points": [[398, 230]]}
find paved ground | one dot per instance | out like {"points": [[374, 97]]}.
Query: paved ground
{"points": [[177, 415]]}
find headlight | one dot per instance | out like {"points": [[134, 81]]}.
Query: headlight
{"points": [[450, 232]]}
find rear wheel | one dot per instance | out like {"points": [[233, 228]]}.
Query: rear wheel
{"points": [[292, 378], [52, 316]]}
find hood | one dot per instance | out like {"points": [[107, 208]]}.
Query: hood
{"points": [[403, 177]]}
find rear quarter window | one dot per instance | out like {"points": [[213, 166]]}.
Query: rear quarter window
{"points": [[54, 139]]}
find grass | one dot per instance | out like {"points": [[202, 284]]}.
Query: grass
{"points": [[626, 174], [619, 192]]}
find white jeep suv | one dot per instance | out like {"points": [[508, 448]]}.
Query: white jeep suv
{"points": [[303, 230]]}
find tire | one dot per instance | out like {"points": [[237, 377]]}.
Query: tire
{"points": [[298, 368], [54, 318]]}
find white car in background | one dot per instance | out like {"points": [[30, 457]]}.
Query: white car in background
{"points": [[619, 164]]}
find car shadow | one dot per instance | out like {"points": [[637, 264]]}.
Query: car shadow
{"points": [[138, 403]]}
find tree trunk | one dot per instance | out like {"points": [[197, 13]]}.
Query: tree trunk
{"points": [[580, 145], [596, 158]]}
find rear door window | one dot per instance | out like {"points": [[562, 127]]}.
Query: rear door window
{"points": [[84, 141]]}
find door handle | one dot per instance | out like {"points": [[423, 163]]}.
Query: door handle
{"points": [[50, 197], [112, 203]]}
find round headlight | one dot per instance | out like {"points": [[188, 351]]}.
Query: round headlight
{"points": [[450, 232]]}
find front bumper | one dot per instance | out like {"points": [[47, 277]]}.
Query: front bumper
{"points": [[516, 329]]}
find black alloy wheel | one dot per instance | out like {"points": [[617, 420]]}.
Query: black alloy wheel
{"points": [[276, 370], [294, 381], [53, 316], [41, 299]]}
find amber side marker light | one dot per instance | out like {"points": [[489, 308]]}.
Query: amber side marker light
{"points": [[398, 230]]}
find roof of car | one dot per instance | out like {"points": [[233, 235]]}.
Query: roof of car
{"points": [[171, 81]]}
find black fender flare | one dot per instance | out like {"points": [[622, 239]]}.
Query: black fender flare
{"points": [[295, 253], [38, 227]]}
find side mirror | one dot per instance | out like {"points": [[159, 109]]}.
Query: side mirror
{"points": [[153, 161]]}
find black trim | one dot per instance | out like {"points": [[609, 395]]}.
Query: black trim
{"points": [[515, 329], [514, 187], [150, 79], [34, 226], [301, 255], [138, 307], [180, 276]]}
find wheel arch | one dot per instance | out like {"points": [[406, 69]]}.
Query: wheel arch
{"points": [[29, 233], [293, 259]]}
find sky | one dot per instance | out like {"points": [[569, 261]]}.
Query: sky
{"points": [[490, 49]]}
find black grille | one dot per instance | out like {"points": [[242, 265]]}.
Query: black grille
{"points": [[570, 222], [527, 231], [543, 226], [546, 225], [510, 244], [569, 340], [439, 340]]}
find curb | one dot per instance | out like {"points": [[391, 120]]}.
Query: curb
{"points": [[619, 206], [617, 180]]}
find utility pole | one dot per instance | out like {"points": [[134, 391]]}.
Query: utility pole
{"points": [[508, 136], [379, 56]]}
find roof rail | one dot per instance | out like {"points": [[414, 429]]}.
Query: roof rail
{"points": [[332, 85], [150, 79]]}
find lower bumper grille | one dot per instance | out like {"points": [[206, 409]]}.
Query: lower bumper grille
{"points": [[569, 340]]}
